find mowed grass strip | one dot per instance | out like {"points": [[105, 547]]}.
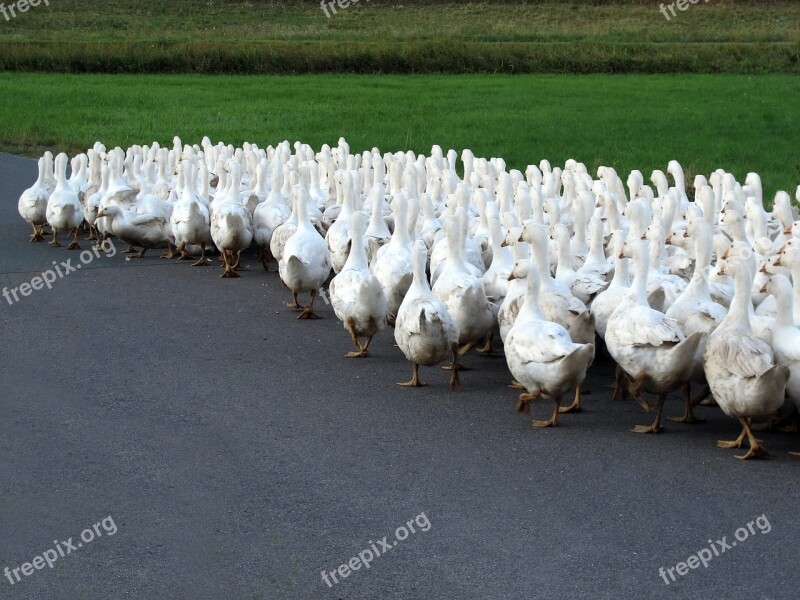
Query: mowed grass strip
{"points": [[739, 123], [252, 36]]}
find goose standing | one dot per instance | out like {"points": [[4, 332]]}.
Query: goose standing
{"points": [[393, 265], [32, 204], [541, 355], [64, 210], [694, 310], [231, 225], [740, 368], [356, 294], [305, 261], [649, 346], [462, 292], [190, 219], [786, 336], [424, 330]]}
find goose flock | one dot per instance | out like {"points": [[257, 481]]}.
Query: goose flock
{"points": [[552, 261]]}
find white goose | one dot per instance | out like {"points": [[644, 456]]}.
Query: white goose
{"points": [[64, 210], [694, 310], [739, 366], [32, 204], [190, 219], [305, 262], [269, 215], [515, 295], [541, 355], [356, 294], [424, 329], [393, 265], [462, 292], [584, 286], [786, 336], [646, 344], [231, 225]]}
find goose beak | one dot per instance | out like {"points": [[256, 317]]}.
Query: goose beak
{"points": [[778, 261], [504, 244], [781, 249], [725, 254], [686, 233], [520, 239], [100, 213], [787, 231], [621, 255], [511, 277], [763, 268]]}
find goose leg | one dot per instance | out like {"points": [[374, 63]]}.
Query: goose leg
{"points": [[266, 256], [454, 382], [295, 302], [656, 425], [414, 382], [36, 237], [757, 449], [688, 416], [226, 268], [553, 420], [575, 407], [140, 254], [168, 253], [308, 312], [621, 382], [369, 339], [525, 399], [487, 347], [737, 443], [466, 348], [238, 260], [129, 250], [92, 233], [634, 388], [54, 241], [73, 245], [203, 262], [515, 385], [362, 350]]}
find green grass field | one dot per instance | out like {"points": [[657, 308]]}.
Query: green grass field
{"points": [[740, 123], [742, 120], [413, 36]]}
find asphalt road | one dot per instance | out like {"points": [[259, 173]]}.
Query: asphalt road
{"points": [[238, 454]]}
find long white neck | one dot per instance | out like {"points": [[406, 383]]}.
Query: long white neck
{"points": [[357, 259], [738, 316], [641, 263], [784, 300], [531, 309]]}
